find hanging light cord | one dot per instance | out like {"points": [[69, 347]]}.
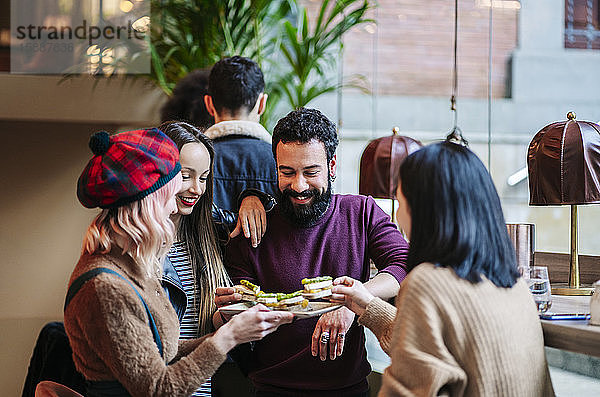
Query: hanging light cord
{"points": [[456, 134], [489, 108], [375, 82], [455, 68]]}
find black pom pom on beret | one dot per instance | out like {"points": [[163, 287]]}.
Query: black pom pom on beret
{"points": [[99, 143]]}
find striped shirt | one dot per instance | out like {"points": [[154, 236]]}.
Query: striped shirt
{"points": [[179, 256]]}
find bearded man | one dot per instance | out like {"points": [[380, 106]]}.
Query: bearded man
{"points": [[312, 232]]}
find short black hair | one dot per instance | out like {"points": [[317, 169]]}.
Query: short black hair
{"points": [[235, 84], [457, 218], [187, 101], [303, 125]]}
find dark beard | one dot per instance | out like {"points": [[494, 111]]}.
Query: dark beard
{"points": [[304, 215]]}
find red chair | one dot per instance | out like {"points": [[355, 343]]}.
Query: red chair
{"points": [[47, 388]]}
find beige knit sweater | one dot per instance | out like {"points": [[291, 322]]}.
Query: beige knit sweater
{"points": [[108, 330], [451, 337]]}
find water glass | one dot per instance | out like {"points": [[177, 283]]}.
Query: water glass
{"points": [[522, 236], [539, 286]]}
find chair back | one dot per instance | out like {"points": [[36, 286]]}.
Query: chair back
{"points": [[47, 388]]}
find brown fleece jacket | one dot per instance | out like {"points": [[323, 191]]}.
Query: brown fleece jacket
{"points": [[108, 329], [454, 338]]}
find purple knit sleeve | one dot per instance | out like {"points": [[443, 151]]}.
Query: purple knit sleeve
{"points": [[387, 247], [236, 263]]}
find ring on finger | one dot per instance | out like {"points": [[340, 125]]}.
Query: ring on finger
{"points": [[325, 337]]}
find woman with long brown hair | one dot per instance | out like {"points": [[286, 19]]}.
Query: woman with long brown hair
{"points": [[193, 268]]}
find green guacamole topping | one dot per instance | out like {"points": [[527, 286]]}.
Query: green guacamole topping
{"points": [[266, 295], [281, 297], [316, 279], [249, 285]]}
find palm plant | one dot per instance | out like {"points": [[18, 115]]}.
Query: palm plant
{"points": [[310, 56], [188, 35], [299, 62]]}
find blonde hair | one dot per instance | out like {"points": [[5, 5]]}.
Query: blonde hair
{"points": [[141, 228]]}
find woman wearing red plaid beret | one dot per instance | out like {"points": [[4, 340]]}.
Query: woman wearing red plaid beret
{"points": [[121, 326]]}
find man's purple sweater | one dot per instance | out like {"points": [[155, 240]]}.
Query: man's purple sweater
{"points": [[352, 231]]}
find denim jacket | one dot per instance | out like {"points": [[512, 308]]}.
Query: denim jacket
{"points": [[243, 159], [174, 289]]}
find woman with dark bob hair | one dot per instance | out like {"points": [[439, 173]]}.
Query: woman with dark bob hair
{"points": [[464, 323]]}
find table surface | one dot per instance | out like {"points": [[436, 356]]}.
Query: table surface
{"points": [[573, 335]]}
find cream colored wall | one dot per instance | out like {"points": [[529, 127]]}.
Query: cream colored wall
{"points": [[42, 221], [42, 225]]}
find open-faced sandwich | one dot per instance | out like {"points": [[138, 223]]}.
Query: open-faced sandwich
{"points": [[248, 290], [293, 301], [267, 299], [318, 287]]}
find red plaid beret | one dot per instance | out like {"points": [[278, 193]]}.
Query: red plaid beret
{"points": [[127, 167]]}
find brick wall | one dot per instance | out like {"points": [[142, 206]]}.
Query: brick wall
{"points": [[412, 43], [582, 24]]}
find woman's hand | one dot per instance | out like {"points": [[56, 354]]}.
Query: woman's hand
{"points": [[351, 293], [226, 296], [252, 220], [252, 324]]}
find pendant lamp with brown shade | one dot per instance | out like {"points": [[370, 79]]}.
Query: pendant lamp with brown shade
{"points": [[380, 165], [563, 161]]}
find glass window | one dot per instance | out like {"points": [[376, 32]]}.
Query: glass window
{"points": [[536, 77]]}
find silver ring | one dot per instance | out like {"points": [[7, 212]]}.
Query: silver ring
{"points": [[325, 337]]}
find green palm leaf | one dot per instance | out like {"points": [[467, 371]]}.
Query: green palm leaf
{"points": [[298, 58]]}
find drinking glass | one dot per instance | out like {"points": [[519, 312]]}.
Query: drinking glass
{"points": [[539, 286], [522, 236]]}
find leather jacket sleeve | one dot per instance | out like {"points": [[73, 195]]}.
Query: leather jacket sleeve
{"points": [[225, 217], [226, 220]]}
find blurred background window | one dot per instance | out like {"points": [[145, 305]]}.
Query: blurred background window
{"points": [[536, 61]]}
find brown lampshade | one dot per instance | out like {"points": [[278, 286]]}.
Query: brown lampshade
{"points": [[380, 164], [564, 163]]}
